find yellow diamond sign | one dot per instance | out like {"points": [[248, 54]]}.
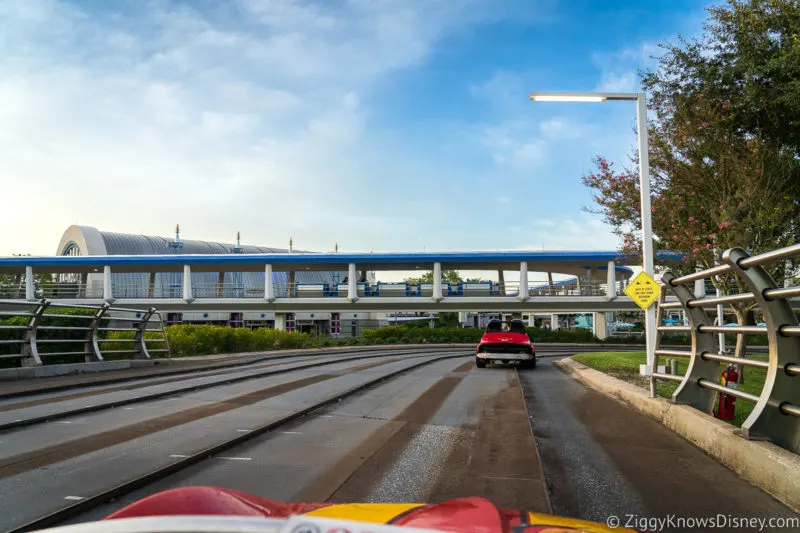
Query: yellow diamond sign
{"points": [[643, 290]]}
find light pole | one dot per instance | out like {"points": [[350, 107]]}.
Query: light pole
{"points": [[644, 187]]}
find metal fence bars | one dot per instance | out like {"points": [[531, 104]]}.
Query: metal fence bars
{"points": [[32, 332], [776, 415]]}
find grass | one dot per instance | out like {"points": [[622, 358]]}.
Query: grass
{"points": [[625, 366]]}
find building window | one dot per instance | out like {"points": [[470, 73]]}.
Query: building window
{"points": [[335, 323], [289, 321]]}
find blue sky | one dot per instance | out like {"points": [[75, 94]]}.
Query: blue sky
{"points": [[381, 124]]}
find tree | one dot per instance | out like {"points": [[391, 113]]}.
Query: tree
{"points": [[724, 143], [448, 276], [13, 285]]}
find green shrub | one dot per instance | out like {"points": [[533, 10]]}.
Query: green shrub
{"points": [[67, 317], [578, 335], [191, 339], [455, 335]]}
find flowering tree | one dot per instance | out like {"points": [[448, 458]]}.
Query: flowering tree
{"points": [[724, 143]]}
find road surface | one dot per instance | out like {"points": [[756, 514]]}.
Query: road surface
{"points": [[413, 425]]}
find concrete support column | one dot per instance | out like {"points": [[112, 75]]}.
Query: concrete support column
{"points": [[523, 282], [151, 285], [599, 325], [554, 322], [437, 282], [30, 293], [220, 284], [107, 286], [187, 283], [611, 281], [352, 287], [280, 321], [501, 282], [269, 287], [291, 288], [550, 283]]}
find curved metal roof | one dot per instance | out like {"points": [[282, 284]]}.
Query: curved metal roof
{"points": [[129, 244]]}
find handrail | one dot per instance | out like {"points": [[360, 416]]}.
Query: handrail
{"points": [[42, 319], [776, 414]]}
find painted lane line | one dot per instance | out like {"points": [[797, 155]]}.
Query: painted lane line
{"points": [[128, 408], [236, 458], [244, 430], [179, 456], [291, 432], [74, 498]]}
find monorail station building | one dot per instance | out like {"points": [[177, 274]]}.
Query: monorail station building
{"points": [[589, 277], [87, 241]]}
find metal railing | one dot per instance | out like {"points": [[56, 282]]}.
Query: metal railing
{"points": [[776, 414], [31, 332], [142, 291]]}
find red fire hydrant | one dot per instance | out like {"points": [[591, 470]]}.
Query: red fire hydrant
{"points": [[727, 403]]}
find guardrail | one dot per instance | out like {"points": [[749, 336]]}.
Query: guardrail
{"points": [[34, 326], [119, 290], [776, 415]]}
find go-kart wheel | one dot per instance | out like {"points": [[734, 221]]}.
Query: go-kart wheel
{"points": [[480, 363]]}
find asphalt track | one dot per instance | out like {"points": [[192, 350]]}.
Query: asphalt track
{"points": [[412, 425]]}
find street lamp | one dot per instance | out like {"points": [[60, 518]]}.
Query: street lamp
{"points": [[644, 188]]}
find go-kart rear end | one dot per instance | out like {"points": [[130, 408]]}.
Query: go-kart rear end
{"points": [[505, 342]]}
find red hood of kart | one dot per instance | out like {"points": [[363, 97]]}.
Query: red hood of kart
{"points": [[463, 515]]}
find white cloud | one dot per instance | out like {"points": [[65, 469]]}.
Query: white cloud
{"points": [[514, 144], [568, 233], [504, 90], [618, 69], [249, 116], [624, 82]]}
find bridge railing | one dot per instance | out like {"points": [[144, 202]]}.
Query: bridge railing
{"points": [[32, 332], [776, 414], [120, 290]]}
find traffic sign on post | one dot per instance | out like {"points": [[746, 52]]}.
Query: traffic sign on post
{"points": [[643, 290]]}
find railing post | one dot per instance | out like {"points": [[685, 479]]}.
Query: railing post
{"points": [[187, 283], [352, 287], [94, 334], [523, 294], [780, 387], [30, 348], [689, 390], [164, 333], [269, 287], [662, 296], [30, 289], [611, 281], [140, 341], [108, 291], [700, 286], [437, 282]]}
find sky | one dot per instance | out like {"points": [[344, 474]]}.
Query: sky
{"points": [[385, 125]]}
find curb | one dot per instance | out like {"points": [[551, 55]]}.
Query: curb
{"points": [[773, 469], [184, 364]]}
